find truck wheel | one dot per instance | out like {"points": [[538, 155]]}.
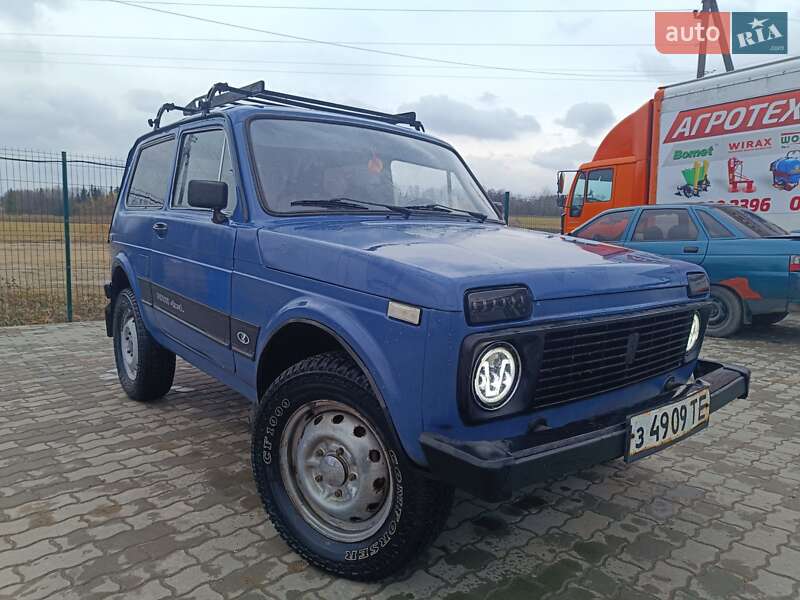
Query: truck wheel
{"points": [[726, 313], [768, 319], [337, 487], [145, 368]]}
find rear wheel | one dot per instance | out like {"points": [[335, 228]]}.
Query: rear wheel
{"points": [[335, 484], [768, 319], [145, 368], [726, 314]]}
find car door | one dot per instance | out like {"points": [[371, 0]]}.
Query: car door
{"points": [[670, 232], [192, 258], [592, 194]]}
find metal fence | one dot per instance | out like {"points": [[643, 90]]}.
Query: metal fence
{"points": [[55, 209]]}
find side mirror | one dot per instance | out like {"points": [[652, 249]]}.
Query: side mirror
{"points": [[561, 200], [209, 194], [560, 183]]}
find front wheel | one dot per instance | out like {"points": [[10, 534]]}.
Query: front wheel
{"points": [[335, 484], [726, 314]]}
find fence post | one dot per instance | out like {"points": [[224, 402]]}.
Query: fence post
{"points": [[506, 205], [67, 251]]}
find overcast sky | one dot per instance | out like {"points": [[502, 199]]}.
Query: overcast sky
{"points": [[545, 106]]}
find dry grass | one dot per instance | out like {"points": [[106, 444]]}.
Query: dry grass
{"points": [[32, 270], [20, 306], [50, 230], [32, 279], [551, 224]]}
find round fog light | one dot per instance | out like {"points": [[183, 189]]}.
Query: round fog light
{"points": [[694, 332], [496, 376]]}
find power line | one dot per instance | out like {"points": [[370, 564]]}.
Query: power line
{"points": [[326, 43], [588, 72], [333, 73], [357, 43], [405, 9]]}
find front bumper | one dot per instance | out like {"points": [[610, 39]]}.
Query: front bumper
{"points": [[495, 470]]}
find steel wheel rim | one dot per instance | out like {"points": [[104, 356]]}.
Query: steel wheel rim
{"points": [[719, 312], [129, 348], [335, 470]]}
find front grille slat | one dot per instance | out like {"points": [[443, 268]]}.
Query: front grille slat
{"points": [[590, 359], [613, 362], [618, 351]]}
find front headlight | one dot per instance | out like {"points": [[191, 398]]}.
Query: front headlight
{"points": [[495, 376], [694, 333]]}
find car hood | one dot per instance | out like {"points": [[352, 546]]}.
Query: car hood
{"points": [[432, 262]]}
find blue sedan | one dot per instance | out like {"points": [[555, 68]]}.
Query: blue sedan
{"points": [[753, 264]]}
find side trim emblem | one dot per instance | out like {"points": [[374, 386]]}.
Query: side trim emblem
{"points": [[243, 337]]}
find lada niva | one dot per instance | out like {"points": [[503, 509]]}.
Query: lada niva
{"points": [[347, 273]]}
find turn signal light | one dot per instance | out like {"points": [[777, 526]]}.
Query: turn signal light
{"points": [[699, 285], [794, 264], [499, 304]]}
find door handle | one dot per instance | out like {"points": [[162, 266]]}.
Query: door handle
{"points": [[160, 229], [691, 249]]}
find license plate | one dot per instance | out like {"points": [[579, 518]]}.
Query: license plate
{"points": [[656, 429]]}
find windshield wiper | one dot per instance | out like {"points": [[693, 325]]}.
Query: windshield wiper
{"points": [[345, 202], [448, 209]]}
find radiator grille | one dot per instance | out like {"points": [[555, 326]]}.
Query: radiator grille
{"points": [[586, 360]]}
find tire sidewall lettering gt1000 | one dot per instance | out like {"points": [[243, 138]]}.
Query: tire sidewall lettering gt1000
{"points": [[272, 428]]}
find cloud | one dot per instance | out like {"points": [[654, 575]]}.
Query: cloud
{"points": [[588, 118], [488, 98], [48, 117], [661, 67], [147, 101], [448, 116], [25, 11], [564, 157], [507, 171]]}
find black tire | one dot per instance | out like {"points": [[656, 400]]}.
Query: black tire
{"points": [[155, 365], [726, 315], [768, 319], [418, 506]]}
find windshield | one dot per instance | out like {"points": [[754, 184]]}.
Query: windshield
{"points": [[751, 224], [303, 163]]}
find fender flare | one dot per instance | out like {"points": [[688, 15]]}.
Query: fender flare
{"points": [[121, 261], [369, 357]]}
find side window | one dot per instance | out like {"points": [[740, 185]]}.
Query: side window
{"points": [[598, 188], [714, 228], [150, 183], [665, 225], [204, 155], [608, 228], [578, 195]]}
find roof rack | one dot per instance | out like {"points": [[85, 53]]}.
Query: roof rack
{"points": [[222, 95]]}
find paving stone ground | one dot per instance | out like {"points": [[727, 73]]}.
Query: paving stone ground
{"points": [[101, 497]]}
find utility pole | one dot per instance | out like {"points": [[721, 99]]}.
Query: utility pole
{"points": [[710, 9]]}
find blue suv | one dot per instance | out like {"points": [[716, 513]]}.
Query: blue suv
{"points": [[346, 273]]}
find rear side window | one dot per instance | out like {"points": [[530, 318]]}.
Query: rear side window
{"points": [[608, 228], [751, 224], [151, 177], [665, 225], [715, 229]]}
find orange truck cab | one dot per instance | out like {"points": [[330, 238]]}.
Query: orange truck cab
{"points": [[723, 138]]}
